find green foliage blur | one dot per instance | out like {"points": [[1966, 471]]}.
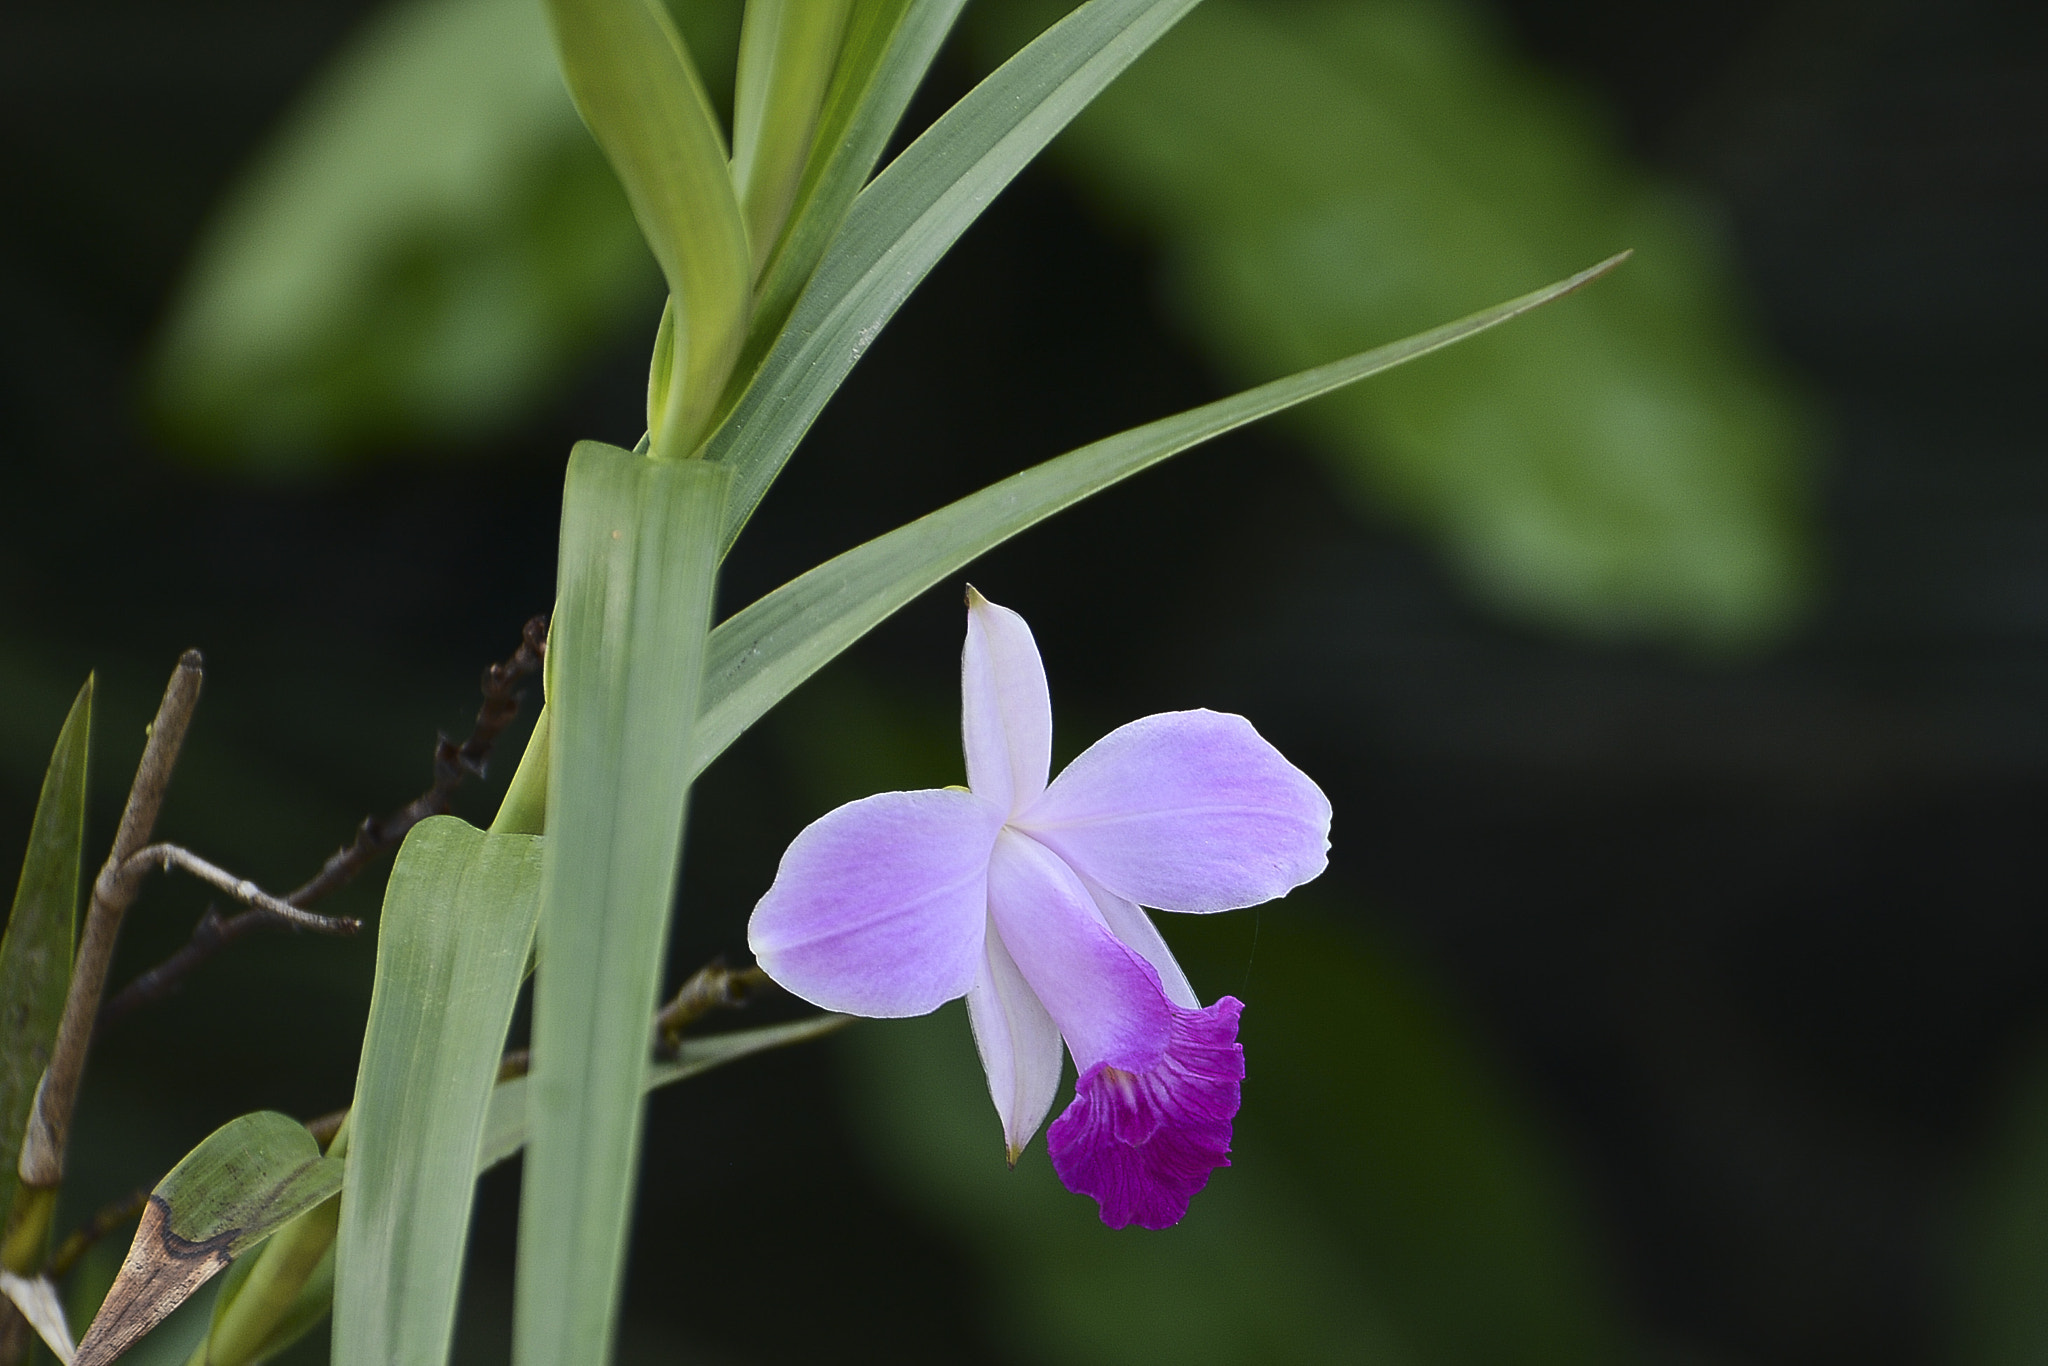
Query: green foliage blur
{"points": [[1330, 173], [432, 247]]}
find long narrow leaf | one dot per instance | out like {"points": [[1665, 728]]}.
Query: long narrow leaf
{"points": [[452, 947], [787, 51], [637, 88], [888, 48], [245, 1181], [237, 1338], [35, 953], [275, 1295], [763, 652], [906, 220], [639, 554]]}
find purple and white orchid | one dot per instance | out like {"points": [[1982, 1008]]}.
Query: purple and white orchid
{"points": [[1026, 898]]}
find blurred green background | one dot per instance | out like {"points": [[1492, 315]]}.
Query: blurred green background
{"points": [[1677, 659]]}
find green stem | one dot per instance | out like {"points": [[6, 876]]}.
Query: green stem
{"points": [[525, 808]]}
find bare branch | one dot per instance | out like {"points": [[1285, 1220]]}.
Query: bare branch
{"points": [[42, 1151], [452, 764], [711, 987], [241, 889]]}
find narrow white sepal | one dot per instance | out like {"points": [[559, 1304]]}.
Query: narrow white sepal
{"points": [[1019, 1045], [1005, 707]]}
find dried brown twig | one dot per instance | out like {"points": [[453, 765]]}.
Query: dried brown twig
{"points": [[711, 987], [453, 763]]}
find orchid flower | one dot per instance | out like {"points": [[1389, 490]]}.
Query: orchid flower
{"points": [[1026, 898]]}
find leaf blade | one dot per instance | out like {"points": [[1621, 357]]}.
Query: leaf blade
{"points": [[1318, 174], [888, 48], [35, 952], [760, 654], [639, 555], [452, 946], [244, 1181], [788, 49], [906, 220], [637, 89]]}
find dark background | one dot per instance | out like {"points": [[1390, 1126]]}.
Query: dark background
{"points": [[1761, 945]]}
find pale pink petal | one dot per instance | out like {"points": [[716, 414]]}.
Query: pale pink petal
{"points": [[1005, 709], [1105, 999], [1019, 1044], [1142, 1143], [1128, 921], [879, 907], [1185, 811]]}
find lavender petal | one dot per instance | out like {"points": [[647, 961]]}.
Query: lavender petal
{"points": [[1185, 811], [1104, 997], [880, 906]]}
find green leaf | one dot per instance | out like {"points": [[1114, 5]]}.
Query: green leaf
{"points": [[505, 1129], [35, 953], [764, 651], [788, 49], [907, 219], [452, 947], [246, 1180], [638, 90], [172, 1342], [275, 1295], [889, 46], [420, 256], [638, 559], [1323, 172], [504, 1134]]}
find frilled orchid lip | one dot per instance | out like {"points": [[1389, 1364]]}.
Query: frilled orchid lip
{"points": [[1026, 897]]}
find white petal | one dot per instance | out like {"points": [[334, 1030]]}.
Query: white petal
{"points": [[1005, 709], [1019, 1044]]}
